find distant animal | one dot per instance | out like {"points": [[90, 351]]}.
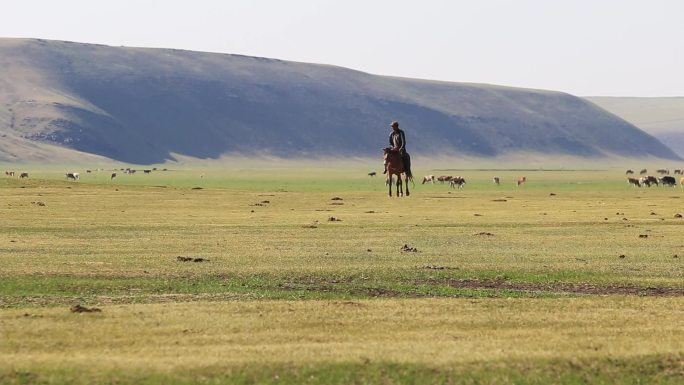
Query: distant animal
{"points": [[648, 180], [678, 171], [395, 166], [23, 175], [429, 178], [372, 174], [496, 180], [9, 173], [643, 171], [147, 171], [629, 172], [457, 182], [634, 181], [113, 176], [444, 178], [521, 180], [89, 171], [663, 171], [668, 181], [72, 175]]}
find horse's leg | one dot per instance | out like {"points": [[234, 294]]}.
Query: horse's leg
{"points": [[407, 190], [400, 189], [389, 183]]}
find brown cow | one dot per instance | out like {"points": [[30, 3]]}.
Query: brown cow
{"points": [[457, 182], [23, 175], [496, 180], [643, 171], [521, 180], [444, 178], [634, 181]]}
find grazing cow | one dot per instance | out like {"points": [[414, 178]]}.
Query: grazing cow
{"points": [[89, 171], [113, 176], [629, 172], [496, 180], [72, 175], [429, 178], [634, 181], [444, 178], [663, 171], [668, 181], [147, 171], [643, 171], [678, 171], [457, 182], [372, 174], [23, 175], [9, 173], [648, 180], [521, 180]]}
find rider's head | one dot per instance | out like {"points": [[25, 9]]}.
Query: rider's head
{"points": [[394, 125]]}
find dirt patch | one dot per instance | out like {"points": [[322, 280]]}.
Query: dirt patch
{"points": [[83, 309], [191, 259], [561, 288]]}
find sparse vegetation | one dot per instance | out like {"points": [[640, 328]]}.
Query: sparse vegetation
{"points": [[549, 283]]}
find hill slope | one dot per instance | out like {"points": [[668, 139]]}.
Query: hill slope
{"points": [[144, 105], [660, 117]]}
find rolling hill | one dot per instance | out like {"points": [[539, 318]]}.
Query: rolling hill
{"points": [[660, 117], [142, 105]]}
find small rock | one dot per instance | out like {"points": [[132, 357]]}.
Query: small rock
{"points": [[336, 199], [408, 248], [678, 215], [622, 256], [643, 235]]}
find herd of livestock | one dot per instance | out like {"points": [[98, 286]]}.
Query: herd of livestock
{"points": [[454, 181], [459, 181], [77, 176], [648, 180]]}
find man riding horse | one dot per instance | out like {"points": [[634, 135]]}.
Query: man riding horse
{"points": [[397, 140]]}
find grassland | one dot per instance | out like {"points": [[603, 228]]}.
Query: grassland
{"points": [[305, 278]]}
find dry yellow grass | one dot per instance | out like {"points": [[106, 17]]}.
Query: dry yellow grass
{"points": [[114, 245], [436, 332]]}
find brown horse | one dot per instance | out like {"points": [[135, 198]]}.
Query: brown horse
{"points": [[395, 166]]}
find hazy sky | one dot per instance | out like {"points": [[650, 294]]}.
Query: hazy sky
{"points": [[584, 47]]}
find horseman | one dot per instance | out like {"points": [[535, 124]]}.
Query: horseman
{"points": [[397, 140]]}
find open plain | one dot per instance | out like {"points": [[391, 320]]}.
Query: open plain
{"points": [[313, 275]]}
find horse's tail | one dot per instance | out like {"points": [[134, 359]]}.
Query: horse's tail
{"points": [[409, 174]]}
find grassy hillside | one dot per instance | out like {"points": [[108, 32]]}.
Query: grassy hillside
{"points": [[145, 105], [660, 117]]}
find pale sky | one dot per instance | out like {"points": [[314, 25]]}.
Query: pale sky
{"points": [[583, 47]]}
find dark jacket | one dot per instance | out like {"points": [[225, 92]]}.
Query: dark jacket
{"points": [[397, 139]]}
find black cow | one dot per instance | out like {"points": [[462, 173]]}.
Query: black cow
{"points": [[668, 181]]}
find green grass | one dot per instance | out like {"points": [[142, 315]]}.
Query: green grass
{"points": [[580, 249]]}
